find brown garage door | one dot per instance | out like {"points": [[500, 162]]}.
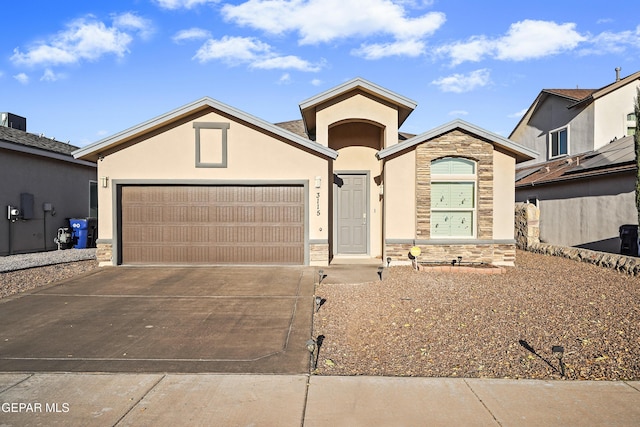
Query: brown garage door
{"points": [[212, 225]]}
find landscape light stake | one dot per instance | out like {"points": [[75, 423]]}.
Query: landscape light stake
{"points": [[459, 261], [318, 301], [388, 261], [320, 276], [380, 270], [558, 352], [311, 347]]}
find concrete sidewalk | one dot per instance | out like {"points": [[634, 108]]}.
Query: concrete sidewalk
{"points": [[82, 399]]}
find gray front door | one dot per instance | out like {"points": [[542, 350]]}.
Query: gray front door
{"points": [[351, 213]]}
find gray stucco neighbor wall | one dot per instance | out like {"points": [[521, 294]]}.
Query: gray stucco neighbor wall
{"points": [[63, 184]]}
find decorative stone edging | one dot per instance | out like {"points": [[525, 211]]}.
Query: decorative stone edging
{"points": [[460, 269], [622, 263]]}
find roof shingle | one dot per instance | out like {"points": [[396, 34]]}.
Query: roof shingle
{"points": [[16, 136]]}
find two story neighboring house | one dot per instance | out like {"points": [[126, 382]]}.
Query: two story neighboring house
{"points": [[583, 179], [41, 186]]}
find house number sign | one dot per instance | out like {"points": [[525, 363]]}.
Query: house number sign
{"points": [[317, 204]]}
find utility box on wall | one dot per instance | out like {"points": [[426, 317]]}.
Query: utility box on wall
{"points": [[26, 205]]}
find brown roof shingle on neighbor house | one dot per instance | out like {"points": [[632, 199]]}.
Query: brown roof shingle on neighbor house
{"points": [[575, 94], [617, 156]]}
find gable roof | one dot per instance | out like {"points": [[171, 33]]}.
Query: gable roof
{"points": [[607, 89], [25, 142], [617, 156], [579, 97], [520, 153], [93, 151], [404, 105]]}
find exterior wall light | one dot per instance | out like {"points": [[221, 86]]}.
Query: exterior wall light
{"points": [[318, 181], [104, 181]]}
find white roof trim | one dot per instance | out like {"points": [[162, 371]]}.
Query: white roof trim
{"points": [[519, 150], [352, 84], [186, 109]]}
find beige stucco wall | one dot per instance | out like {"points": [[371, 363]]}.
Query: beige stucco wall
{"points": [[356, 159], [611, 114], [357, 127], [400, 196], [357, 107], [252, 155], [503, 195]]}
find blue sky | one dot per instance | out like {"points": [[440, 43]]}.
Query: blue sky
{"points": [[80, 71]]}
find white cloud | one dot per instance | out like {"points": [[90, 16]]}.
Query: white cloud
{"points": [[22, 78], [459, 83], [316, 82], [250, 51], [458, 113], [321, 21], [518, 114], [284, 79], [524, 40], [288, 62], [191, 34], [411, 48], [50, 76], [608, 42], [535, 39], [233, 50], [132, 21], [182, 4], [84, 39]]}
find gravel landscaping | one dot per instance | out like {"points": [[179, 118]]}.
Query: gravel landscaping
{"points": [[20, 273], [436, 324]]}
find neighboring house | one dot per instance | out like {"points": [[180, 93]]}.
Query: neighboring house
{"points": [[583, 199], [207, 183], [584, 179], [566, 122], [45, 184]]}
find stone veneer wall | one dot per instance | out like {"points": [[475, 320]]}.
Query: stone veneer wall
{"points": [[104, 253], [527, 225], [319, 253], [491, 253], [455, 144], [622, 263]]}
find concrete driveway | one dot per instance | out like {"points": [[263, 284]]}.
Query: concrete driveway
{"points": [[152, 319]]}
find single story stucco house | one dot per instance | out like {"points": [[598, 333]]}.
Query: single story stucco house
{"points": [[209, 184]]}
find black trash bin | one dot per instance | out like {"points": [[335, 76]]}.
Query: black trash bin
{"points": [[629, 240]]}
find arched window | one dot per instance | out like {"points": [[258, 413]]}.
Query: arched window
{"points": [[453, 198]]}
